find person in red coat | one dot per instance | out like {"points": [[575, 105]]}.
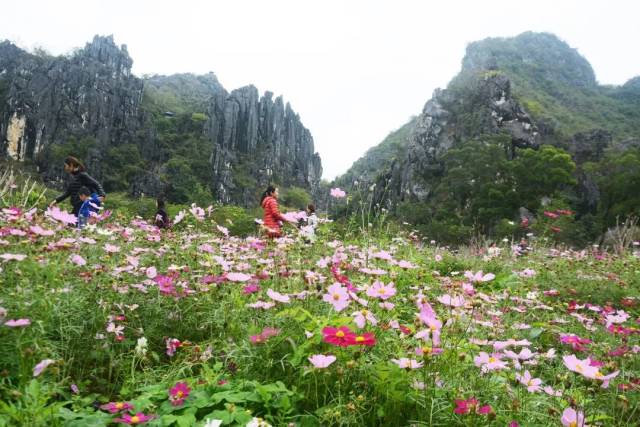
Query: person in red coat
{"points": [[272, 216]]}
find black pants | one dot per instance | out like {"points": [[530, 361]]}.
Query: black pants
{"points": [[76, 209]]}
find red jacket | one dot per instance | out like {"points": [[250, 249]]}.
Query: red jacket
{"points": [[272, 216]]}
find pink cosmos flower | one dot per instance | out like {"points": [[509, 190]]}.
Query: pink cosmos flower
{"points": [[277, 296], [151, 272], [179, 217], [17, 323], [338, 336], [264, 335], [223, 230], [479, 276], [362, 317], [36, 229], [571, 418], [533, 384], [136, 419], [337, 193], [197, 212], [59, 215], [428, 351], [13, 257], [406, 363], [582, 367], [40, 367], [382, 291], [178, 393], [262, 304], [438, 257], [115, 407], [109, 248], [321, 361], [238, 277], [78, 260], [447, 299], [338, 296], [488, 362], [172, 345]]}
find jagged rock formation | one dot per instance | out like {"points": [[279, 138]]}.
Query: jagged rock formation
{"points": [[264, 134], [47, 100], [445, 120], [92, 98]]}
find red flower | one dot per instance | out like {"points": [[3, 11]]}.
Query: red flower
{"points": [[341, 336], [115, 407], [367, 339]]}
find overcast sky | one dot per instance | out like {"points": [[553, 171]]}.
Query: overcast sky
{"points": [[354, 70]]}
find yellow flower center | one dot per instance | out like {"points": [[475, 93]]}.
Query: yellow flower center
{"points": [[119, 405], [573, 424], [179, 394], [359, 338], [340, 334], [579, 368], [364, 312], [135, 419], [336, 297], [433, 328], [427, 350], [530, 383], [381, 291], [492, 360], [599, 374]]}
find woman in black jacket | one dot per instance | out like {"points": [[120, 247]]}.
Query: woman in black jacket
{"points": [[79, 178]]}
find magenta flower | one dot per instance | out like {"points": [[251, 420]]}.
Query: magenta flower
{"points": [[115, 407], [36, 229], [338, 296], [40, 367], [571, 418], [264, 335], [341, 336], [250, 289], [17, 323], [575, 341], [136, 419], [178, 393], [321, 361], [382, 291], [470, 405]]}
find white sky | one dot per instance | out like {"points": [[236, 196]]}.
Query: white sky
{"points": [[353, 69]]}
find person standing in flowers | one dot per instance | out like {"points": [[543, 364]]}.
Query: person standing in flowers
{"points": [[162, 218], [272, 217], [79, 178]]}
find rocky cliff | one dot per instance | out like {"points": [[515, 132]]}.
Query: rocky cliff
{"points": [[138, 134]]}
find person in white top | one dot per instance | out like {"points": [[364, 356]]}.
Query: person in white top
{"points": [[308, 231]]}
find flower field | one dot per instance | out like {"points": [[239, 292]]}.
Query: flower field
{"points": [[122, 324]]}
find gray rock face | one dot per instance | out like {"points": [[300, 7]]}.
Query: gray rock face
{"points": [[243, 126], [47, 100], [444, 122], [91, 93]]}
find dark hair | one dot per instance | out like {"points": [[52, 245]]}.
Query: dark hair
{"points": [[160, 202], [74, 163], [311, 208], [84, 191], [269, 191]]}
